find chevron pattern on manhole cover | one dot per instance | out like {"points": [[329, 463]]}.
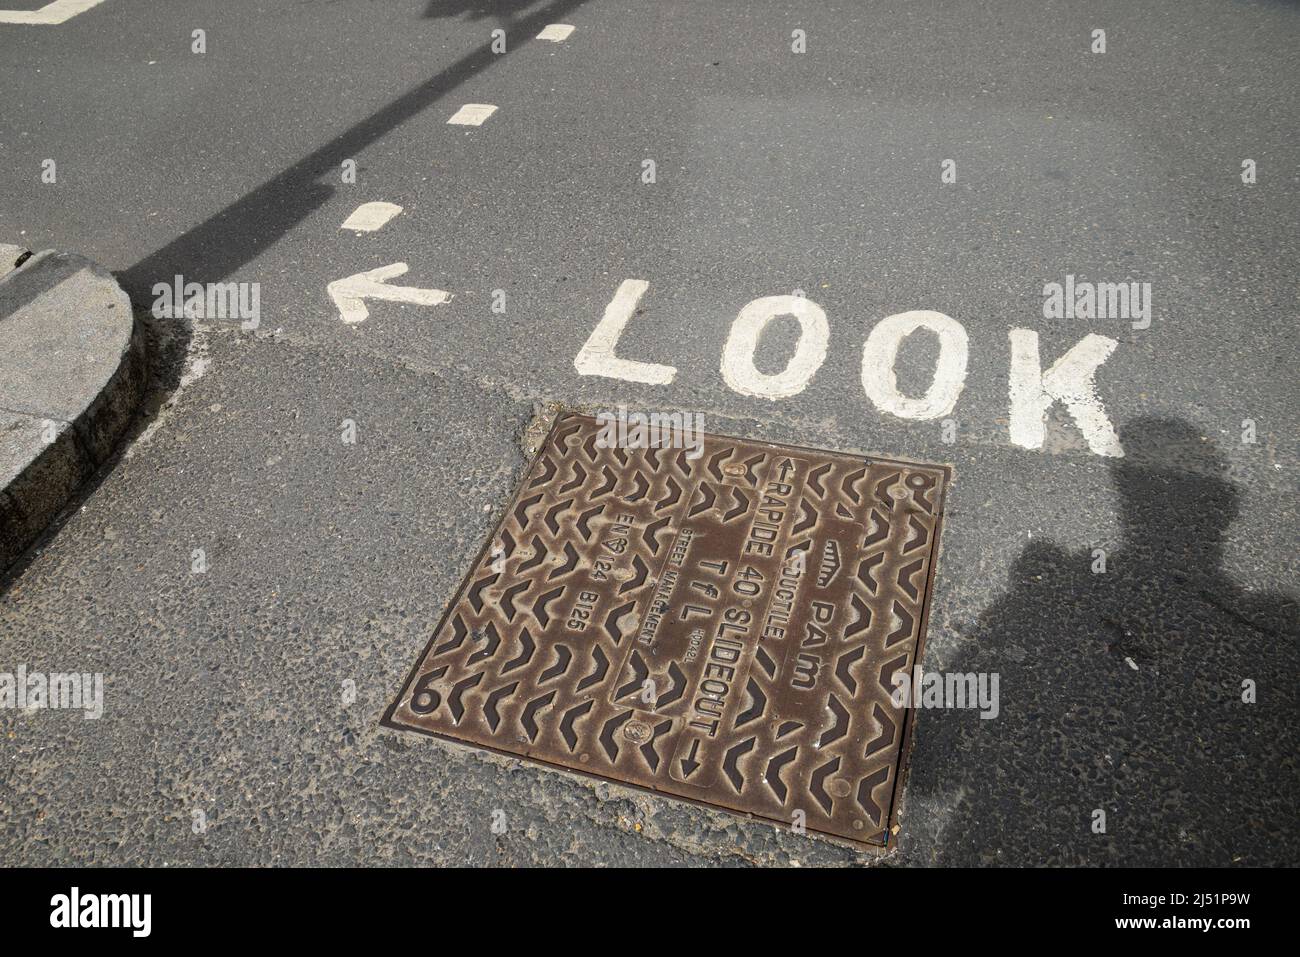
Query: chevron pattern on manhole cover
{"points": [[721, 623]]}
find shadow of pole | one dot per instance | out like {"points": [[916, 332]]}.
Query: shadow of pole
{"points": [[502, 11], [239, 233]]}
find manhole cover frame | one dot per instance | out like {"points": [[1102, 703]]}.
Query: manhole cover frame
{"points": [[878, 838]]}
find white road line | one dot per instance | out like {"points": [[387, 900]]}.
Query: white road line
{"points": [[597, 357], [738, 369], [369, 217], [57, 12], [880, 381], [197, 363], [472, 114], [349, 294], [1069, 380], [555, 32]]}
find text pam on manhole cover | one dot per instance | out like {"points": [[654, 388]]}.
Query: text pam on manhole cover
{"points": [[724, 628]]}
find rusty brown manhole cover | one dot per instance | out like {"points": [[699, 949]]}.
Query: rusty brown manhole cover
{"points": [[723, 628]]}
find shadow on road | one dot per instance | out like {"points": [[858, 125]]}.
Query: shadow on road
{"points": [[236, 235], [239, 233], [1186, 772], [503, 11], [165, 343]]}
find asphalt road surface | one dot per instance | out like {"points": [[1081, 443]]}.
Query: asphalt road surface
{"points": [[947, 157]]}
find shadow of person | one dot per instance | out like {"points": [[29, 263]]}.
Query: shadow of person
{"points": [[1122, 691]]}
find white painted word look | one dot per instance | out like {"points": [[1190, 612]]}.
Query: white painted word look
{"points": [[1032, 390]]}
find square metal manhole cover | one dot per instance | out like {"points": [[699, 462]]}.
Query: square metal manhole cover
{"points": [[722, 625]]}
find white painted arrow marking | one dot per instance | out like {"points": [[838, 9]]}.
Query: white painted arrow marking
{"points": [[57, 12], [349, 294]]}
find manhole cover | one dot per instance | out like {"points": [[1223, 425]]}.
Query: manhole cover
{"points": [[720, 624]]}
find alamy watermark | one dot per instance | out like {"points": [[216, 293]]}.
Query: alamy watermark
{"points": [[207, 301], [935, 689], [75, 909], [27, 691], [651, 430], [1098, 300]]}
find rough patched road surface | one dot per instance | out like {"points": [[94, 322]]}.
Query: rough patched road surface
{"points": [[1052, 248]]}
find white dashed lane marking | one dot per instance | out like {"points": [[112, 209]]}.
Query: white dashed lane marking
{"points": [[555, 32], [57, 12], [369, 217], [472, 114], [1033, 392]]}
